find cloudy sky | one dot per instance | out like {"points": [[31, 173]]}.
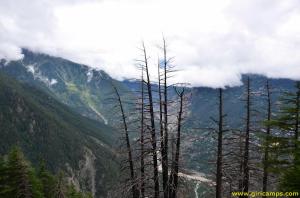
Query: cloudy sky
{"points": [[213, 42]]}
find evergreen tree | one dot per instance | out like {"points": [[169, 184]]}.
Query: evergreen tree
{"points": [[284, 146], [48, 181], [21, 180], [72, 192], [18, 179], [4, 187], [290, 180]]}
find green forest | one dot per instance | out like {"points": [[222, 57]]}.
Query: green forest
{"points": [[19, 179]]}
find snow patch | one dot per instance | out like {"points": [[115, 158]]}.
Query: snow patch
{"points": [[89, 75], [30, 68], [38, 75], [53, 81]]}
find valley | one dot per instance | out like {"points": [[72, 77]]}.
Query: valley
{"points": [[84, 134]]}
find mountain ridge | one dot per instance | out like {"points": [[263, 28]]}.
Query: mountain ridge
{"points": [[89, 91], [48, 130], [83, 88]]}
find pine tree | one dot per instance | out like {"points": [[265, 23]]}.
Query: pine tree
{"points": [[290, 180], [22, 180], [47, 180], [4, 187], [18, 179], [284, 146], [72, 192]]}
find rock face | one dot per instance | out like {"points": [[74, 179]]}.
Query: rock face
{"points": [[84, 178], [87, 170]]}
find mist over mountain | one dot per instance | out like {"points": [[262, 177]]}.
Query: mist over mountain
{"points": [[55, 85], [149, 99], [221, 40], [86, 90]]}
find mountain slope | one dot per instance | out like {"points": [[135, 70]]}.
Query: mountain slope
{"points": [[198, 144], [47, 129], [86, 90]]}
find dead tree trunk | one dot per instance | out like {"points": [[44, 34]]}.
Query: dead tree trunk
{"points": [[160, 110], [219, 173], [268, 131], [297, 113], [247, 140], [175, 163], [164, 156], [240, 157], [153, 134], [142, 138], [128, 146]]}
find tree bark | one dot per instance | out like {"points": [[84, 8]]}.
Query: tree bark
{"points": [[297, 113], [175, 164], [165, 134], [142, 138], [153, 134], [268, 131], [247, 140], [220, 148], [128, 146]]}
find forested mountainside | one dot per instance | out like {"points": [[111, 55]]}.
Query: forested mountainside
{"points": [[19, 178], [48, 130]]}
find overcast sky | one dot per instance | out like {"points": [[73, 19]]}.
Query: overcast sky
{"points": [[213, 42]]}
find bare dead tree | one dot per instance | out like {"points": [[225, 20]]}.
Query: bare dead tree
{"points": [[146, 176], [296, 136], [245, 183], [235, 149], [142, 138], [173, 186], [268, 131], [164, 149], [219, 173], [133, 185], [152, 126], [232, 158]]}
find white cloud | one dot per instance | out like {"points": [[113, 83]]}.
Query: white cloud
{"points": [[213, 42]]}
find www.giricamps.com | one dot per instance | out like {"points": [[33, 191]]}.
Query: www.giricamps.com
{"points": [[266, 194]]}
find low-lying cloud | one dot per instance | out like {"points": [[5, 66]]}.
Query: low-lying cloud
{"points": [[213, 42]]}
